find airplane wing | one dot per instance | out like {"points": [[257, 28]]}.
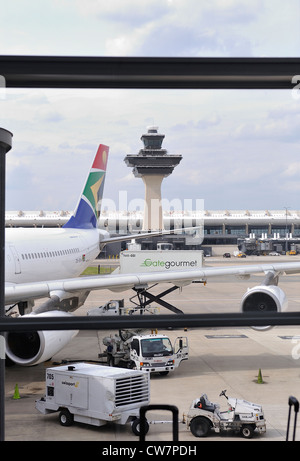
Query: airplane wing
{"points": [[141, 235], [120, 282], [40, 346]]}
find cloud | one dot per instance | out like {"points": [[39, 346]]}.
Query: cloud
{"points": [[48, 116], [135, 13], [280, 124], [238, 147], [184, 28], [154, 27], [293, 169], [211, 121]]}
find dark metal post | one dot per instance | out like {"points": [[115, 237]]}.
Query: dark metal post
{"points": [[175, 420], [5, 146], [292, 401]]}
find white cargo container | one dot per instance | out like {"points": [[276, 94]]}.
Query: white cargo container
{"points": [[95, 394]]}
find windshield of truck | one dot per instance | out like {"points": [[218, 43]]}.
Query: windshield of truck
{"points": [[155, 347]]}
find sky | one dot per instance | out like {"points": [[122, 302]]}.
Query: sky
{"points": [[240, 148]]}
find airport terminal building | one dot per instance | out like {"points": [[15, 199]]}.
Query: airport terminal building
{"points": [[252, 231]]}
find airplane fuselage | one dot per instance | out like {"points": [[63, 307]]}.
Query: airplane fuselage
{"points": [[44, 254]]}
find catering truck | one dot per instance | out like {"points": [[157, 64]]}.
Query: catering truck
{"points": [[95, 394], [155, 260], [116, 307], [153, 353]]}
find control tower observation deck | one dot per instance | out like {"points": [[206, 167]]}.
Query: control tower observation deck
{"points": [[152, 164]]}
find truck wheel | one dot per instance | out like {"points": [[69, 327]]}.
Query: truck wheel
{"points": [[200, 426], [247, 431], [135, 426], [65, 418]]}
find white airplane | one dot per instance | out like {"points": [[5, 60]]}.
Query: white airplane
{"points": [[47, 263]]}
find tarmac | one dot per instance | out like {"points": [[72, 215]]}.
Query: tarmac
{"points": [[219, 359]]}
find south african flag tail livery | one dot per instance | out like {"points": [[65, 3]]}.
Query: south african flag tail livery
{"points": [[86, 213]]}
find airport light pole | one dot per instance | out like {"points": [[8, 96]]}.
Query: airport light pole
{"points": [[5, 146], [286, 228]]}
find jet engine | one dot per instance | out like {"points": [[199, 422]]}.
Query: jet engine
{"points": [[264, 298], [29, 348]]}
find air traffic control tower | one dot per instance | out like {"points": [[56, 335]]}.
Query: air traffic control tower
{"points": [[152, 164]]}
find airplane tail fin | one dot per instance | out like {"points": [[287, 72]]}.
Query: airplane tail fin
{"points": [[87, 211]]}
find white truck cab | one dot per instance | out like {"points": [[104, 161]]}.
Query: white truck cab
{"points": [[153, 353]]}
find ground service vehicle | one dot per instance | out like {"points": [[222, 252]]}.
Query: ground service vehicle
{"points": [[242, 416], [116, 307], [153, 353], [95, 394]]}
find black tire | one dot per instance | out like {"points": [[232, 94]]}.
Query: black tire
{"points": [[136, 425], [247, 431], [200, 426], [66, 418]]}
